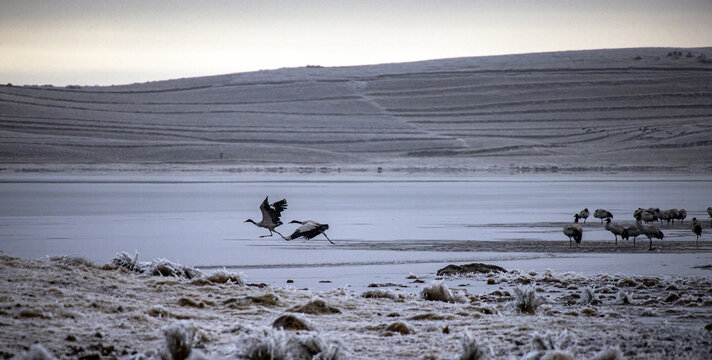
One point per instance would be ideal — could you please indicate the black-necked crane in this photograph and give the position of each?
(577, 217)
(270, 216)
(650, 232)
(573, 231)
(709, 211)
(668, 215)
(309, 230)
(630, 231)
(602, 214)
(681, 215)
(697, 229)
(583, 214)
(614, 228)
(648, 215)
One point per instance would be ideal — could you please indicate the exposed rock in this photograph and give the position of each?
(316, 306)
(400, 328)
(479, 268)
(290, 322)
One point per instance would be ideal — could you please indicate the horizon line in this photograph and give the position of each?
(348, 66)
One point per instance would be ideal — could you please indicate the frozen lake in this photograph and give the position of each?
(198, 221)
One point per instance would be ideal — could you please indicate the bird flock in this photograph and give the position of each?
(644, 219)
(309, 229)
(271, 218)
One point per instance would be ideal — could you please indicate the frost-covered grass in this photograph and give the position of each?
(165, 267)
(36, 352)
(109, 311)
(439, 291)
(180, 337)
(526, 300)
(273, 344)
(472, 349)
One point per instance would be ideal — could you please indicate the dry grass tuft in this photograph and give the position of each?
(438, 291)
(526, 300)
(379, 294)
(315, 307)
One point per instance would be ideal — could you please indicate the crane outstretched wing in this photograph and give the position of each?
(272, 212)
(279, 206)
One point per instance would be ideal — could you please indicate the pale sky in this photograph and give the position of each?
(89, 42)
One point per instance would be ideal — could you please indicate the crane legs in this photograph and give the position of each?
(327, 238)
(270, 234)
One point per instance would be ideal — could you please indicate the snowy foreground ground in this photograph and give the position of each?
(75, 308)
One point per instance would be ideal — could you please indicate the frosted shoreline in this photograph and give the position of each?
(75, 309)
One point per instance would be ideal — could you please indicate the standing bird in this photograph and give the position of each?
(573, 231)
(584, 214)
(602, 214)
(309, 230)
(647, 215)
(709, 211)
(697, 229)
(614, 228)
(577, 217)
(630, 231)
(650, 232)
(668, 215)
(681, 215)
(270, 216)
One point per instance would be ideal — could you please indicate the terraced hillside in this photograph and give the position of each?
(628, 109)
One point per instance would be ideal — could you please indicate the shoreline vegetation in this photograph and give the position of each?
(347, 170)
(129, 309)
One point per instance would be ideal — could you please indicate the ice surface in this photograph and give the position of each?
(384, 228)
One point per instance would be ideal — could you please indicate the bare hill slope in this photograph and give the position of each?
(627, 109)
